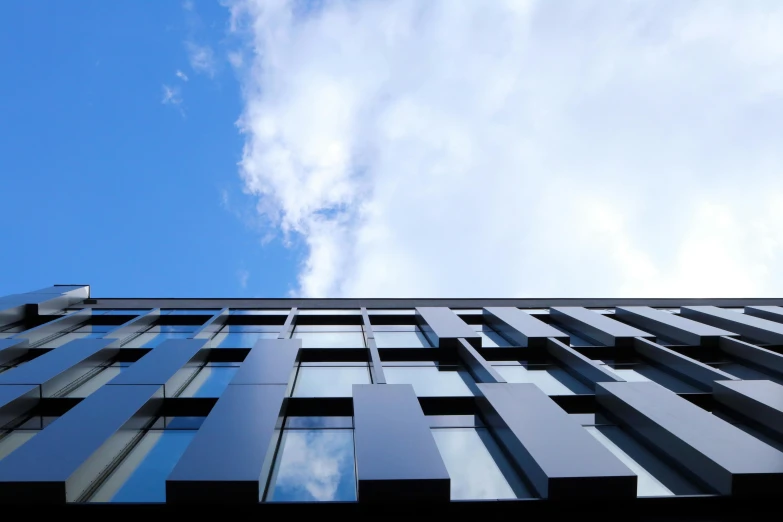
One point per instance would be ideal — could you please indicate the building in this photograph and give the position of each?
(631, 407)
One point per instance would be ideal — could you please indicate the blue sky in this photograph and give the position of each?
(447, 148)
(104, 184)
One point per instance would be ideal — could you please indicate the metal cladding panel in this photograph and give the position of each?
(671, 326)
(168, 365)
(58, 464)
(772, 313)
(12, 309)
(397, 459)
(134, 326)
(585, 368)
(597, 327)
(760, 401)
(690, 369)
(58, 325)
(520, 327)
(526, 422)
(747, 325)
(718, 453)
(478, 367)
(752, 354)
(213, 325)
(271, 361)
(229, 459)
(11, 349)
(58, 367)
(443, 327)
(16, 401)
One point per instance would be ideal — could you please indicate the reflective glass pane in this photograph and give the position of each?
(655, 478)
(551, 379)
(648, 372)
(190, 311)
(126, 311)
(245, 328)
(429, 381)
(332, 381)
(318, 422)
(414, 339)
(210, 381)
(314, 465)
(491, 339)
(174, 328)
(13, 439)
(96, 381)
(258, 312)
(331, 339)
(141, 477)
(476, 466)
(153, 339)
(240, 339)
(328, 328)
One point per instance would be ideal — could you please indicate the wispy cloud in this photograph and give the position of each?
(187, 5)
(171, 95)
(243, 276)
(201, 57)
(181, 75)
(519, 148)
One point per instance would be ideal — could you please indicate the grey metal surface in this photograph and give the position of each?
(478, 367)
(526, 422)
(270, 361)
(397, 459)
(753, 354)
(721, 455)
(772, 313)
(671, 326)
(11, 349)
(16, 401)
(583, 368)
(747, 325)
(521, 328)
(689, 369)
(760, 401)
(595, 326)
(59, 464)
(229, 459)
(443, 327)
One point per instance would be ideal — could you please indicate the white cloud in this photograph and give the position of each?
(202, 58)
(171, 95)
(244, 276)
(181, 75)
(519, 148)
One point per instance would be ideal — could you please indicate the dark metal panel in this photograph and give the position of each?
(11, 349)
(747, 325)
(760, 401)
(520, 327)
(229, 459)
(271, 361)
(443, 327)
(718, 453)
(66, 322)
(478, 367)
(368, 333)
(387, 303)
(582, 367)
(16, 401)
(12, 309)
(376, 365)
(597, 327)
(397, 459)
(168, 365)
(59, 464)
(213, 326)
(752, 354)
(685, 367)
(772, 313)
(527, 423)
(134, 326)
(671, 326)
(57, 368)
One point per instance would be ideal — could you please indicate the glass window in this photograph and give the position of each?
(96, 328)
(489, 337)
(655, 478)
(174, 328)
(331, 381)
(414, 339)
(141, 476)
(648, 372)
(248, 328)
(310, 423)
(328, 328)
(210, 381)
(476, 465)
(395, 311)
(552, 380)
(331, 339)
(240, 339)
(153, 339)
(431, 381)
(314, 465)
(329, 312)
(126, 311)
(190, 311)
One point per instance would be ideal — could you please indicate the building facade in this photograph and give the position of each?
(634, 408)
